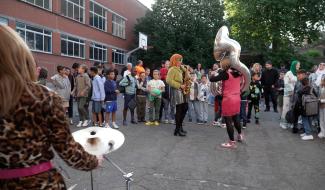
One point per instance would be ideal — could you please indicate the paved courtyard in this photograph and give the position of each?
(270, 158)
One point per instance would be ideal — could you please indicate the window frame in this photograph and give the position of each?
(117, 27)
(92, 12)
(4, 21)
(34, 4)
(103, 48)
(119, 53)
(66, 14)
(25, 30)
(66, 37)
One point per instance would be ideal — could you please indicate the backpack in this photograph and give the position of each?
(122, 88)
(310, 104)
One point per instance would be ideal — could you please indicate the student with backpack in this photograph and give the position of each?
(308, 104)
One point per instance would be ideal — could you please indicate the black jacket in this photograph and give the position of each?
(269, 77)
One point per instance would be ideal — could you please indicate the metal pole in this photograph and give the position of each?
(127, 55)
(127, 176)
(92, 180)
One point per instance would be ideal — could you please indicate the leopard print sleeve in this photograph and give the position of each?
(62, 141)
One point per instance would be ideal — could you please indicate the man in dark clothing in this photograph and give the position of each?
(270, 77)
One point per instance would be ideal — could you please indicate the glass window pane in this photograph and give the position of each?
(21, 33)
(98, 9)
(70, 10)
(91, 19)
(39, 3)
(39, 42)
(70, 48)
(100, 23)
(100, 55)
(96, 53)
(91, 51)
(47, 44)
(82, 51)
(76, 50)
(30, 40)
(64, 7)
(47, 4)
(91, 6)
(30, 1)
(96, 21)
(76, 13)
(76, 1)
(81, 15)
(64, 47)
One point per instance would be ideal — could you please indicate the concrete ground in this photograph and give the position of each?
(270, 158)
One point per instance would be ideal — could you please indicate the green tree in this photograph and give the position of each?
(187, 27)
(282, 24)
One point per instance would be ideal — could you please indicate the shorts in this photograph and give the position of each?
(97, 107)
(111, 106)
(127, 99)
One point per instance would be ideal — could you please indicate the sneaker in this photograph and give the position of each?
(189, 120)
(240, 137)
(125, 123)
(165, 121)
(200, 122)
(215, 123)
(267, 110)
(321, 135)
(156, 123)
(223, 125)
(85, 123)
(283, 126)
(307, 137)
(172, 122)
(244, 127)
(95, 124)
(71, 121)
(79, 124)
(303, 134)
(107, 125)
(115, 126)
(257, 122)
(230, 144)
(148, 123)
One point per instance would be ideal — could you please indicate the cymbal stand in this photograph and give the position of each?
(127, 176)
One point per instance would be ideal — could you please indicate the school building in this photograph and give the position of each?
(68, 31)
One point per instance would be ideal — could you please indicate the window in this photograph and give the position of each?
(36, 38)
(73, 47)
(98, 53)
(74, 9)
(98, 17)
(46, 4)
(3, 21)
(118, 26)
(118, 56)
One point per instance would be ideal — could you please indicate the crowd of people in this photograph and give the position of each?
(150, 96)
(33, 117)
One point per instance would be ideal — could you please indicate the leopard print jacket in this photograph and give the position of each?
(30, 133)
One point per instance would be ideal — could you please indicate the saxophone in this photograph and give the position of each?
(186, 79)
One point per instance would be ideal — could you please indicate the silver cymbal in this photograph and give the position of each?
(98, 140)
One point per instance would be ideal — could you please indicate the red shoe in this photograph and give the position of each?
(240, 137)
(230, 144)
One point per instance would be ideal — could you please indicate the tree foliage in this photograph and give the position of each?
(282, 24)
(187, 27)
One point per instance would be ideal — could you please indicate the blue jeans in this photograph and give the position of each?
(306, 122)
(193, 109)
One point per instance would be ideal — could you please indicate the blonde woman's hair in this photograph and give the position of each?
(17, 68)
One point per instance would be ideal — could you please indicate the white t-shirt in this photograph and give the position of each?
(158, 84)
(126, 73)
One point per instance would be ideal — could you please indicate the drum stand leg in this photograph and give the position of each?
(127, 176)
(91, 180)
